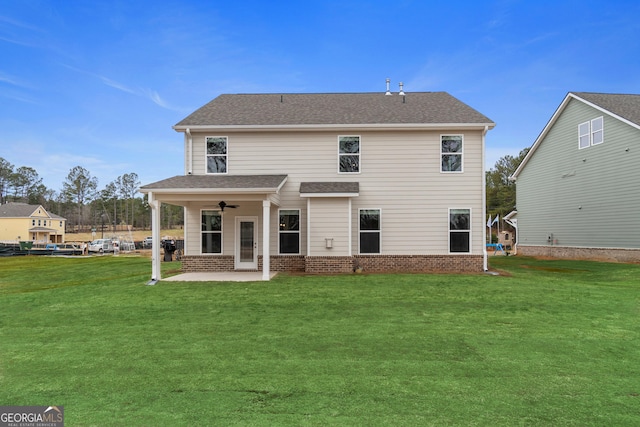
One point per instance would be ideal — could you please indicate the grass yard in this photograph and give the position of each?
(547, 343)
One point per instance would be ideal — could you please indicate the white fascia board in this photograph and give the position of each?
(212, 191)
(375, 126)
(312, 195)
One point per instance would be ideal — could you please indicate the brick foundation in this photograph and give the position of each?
(328, 264)
(198, 263)
(420, 263)
(346, 264)
(593, 254)
(290, 263)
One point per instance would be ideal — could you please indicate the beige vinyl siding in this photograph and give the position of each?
(329, 219)
(399, 174)
(587, 197)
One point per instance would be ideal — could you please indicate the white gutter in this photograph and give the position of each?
(365, 126)
(484, 203)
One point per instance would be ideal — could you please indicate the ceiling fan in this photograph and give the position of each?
(223, 205)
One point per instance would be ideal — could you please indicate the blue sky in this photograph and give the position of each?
(100, 83)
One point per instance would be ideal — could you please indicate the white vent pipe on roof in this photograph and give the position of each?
(388, 92)
(401, 89)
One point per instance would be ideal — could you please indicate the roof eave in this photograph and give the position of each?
(315, 127)
(264, 190)
(329, 195)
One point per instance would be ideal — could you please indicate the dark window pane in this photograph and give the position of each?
(216, 164)
(370, 219)
(451, 144)
(349, 163)
(216, 145)
(289, 243)
(289, 220)
(349, 144)
(211, 221)
(459, 241)
(451, 163)
(459, 219)
(211, 243)
(369, 243)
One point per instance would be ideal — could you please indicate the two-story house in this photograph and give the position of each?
(24, 222)
(578, 191)
(330, 183)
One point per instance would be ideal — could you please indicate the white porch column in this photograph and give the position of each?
(155, 234)
(266, 227)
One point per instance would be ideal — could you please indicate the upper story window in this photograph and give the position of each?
(349, 154)
(591, 133)
(451, 153)
(216, 154)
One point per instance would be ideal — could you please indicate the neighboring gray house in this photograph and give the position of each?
(578, 189)
(326, 183)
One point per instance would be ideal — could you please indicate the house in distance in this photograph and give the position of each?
(578, 188)
(330, 183)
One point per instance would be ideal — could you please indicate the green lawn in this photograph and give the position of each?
(546, 343)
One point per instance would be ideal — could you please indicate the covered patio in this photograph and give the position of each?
(244, 201)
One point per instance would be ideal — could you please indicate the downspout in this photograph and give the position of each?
(514, 224)
(189, 151)
(308, 226)
(484, 203)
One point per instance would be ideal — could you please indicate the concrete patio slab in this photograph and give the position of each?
(230, 276)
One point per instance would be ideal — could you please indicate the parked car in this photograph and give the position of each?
(101, 246)
(147, 242)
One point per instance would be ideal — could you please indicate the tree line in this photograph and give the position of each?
(501, 191)
(81, 202)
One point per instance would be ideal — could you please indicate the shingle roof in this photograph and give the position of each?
(329, 187)
(19, 210)
(334, 109)
(623, 105)
(217, 182)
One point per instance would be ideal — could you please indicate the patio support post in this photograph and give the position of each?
(266, 225)
(155, 235)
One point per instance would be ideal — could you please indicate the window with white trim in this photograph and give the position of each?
(349, 154)
(289, 231)
(451, 153)
(211, 232)
(370, 231)
(591, 132)
(460, 230)
(216, 154)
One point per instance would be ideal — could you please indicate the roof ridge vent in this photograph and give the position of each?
(401, 89)
(388, 92)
